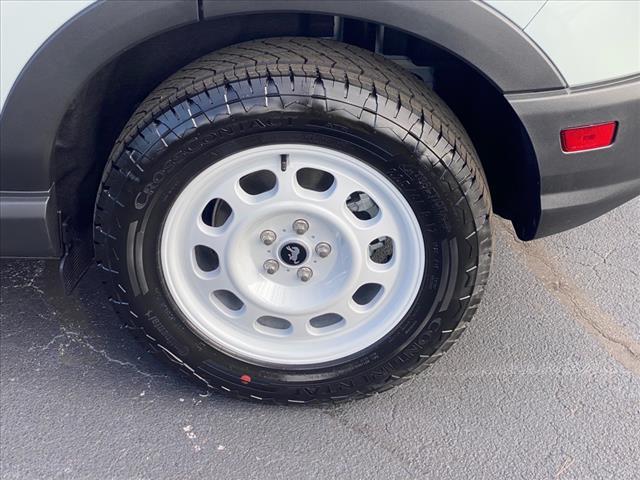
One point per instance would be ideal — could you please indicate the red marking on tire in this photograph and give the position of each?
(245, 378)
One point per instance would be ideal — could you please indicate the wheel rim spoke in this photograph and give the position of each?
(370, 230)
(209, 237)
(337, 195)
(230, 192)
(378, 274)
(208, 282)
(286, 189)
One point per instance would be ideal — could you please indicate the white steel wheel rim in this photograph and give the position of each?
(235, 305)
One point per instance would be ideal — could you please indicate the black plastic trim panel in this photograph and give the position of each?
(471, 30)
(49, 83)
(30, 226)
(578, 187)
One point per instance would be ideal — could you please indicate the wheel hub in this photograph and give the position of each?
(290, 290)
(293, 253)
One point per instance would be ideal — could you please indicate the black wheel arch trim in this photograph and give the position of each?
(75, 52)
(95, 36)
(471, 30)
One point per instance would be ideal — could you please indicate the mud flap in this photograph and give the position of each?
(77, 257)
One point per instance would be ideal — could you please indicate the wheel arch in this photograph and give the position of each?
(103, 50)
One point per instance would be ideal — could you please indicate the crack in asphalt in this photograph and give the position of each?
(603, 260)
(396, 453)
(600, 325)
(31, 281)
(82, 340)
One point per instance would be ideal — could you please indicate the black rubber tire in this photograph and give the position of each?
(304, 90)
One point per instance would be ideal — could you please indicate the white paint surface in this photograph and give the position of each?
(589, 41)
(519, 12)
(24, 26)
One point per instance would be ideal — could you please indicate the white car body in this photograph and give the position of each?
(589, 41)
(540, 67)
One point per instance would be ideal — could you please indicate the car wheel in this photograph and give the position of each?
(294, 220)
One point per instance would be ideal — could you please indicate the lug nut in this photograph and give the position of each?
(305, 274)
(268, 237)
(323, 249)
(300, 226)
(271, 266)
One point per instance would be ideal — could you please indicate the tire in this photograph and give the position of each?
(329, 97)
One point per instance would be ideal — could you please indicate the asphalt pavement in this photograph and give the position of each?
(545, 383)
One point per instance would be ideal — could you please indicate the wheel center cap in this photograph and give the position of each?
(293, 253)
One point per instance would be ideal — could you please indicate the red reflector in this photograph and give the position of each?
(588, 137)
